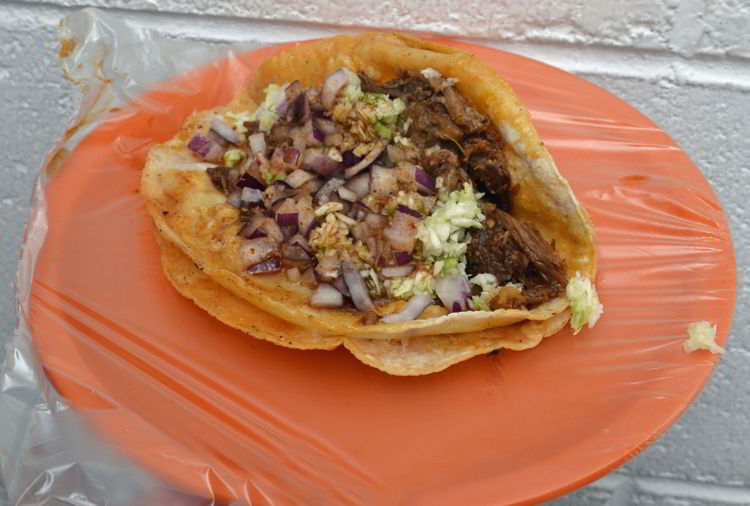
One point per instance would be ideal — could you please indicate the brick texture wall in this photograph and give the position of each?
(684, 63)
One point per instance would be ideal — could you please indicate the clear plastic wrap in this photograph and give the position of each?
(117, 390)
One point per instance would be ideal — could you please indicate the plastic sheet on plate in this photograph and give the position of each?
(116, 390)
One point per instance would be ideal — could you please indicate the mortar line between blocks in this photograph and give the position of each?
(668, 67)
(669, 487)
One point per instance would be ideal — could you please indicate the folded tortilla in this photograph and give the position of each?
(401, 357)
(191, 214)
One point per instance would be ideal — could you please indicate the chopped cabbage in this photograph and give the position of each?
(266, 113)
(584, 302)
(407, 287)
(232, 156)
(382, 130)
(239, 119)
(488, 283)
(443, 233)
(702, 336)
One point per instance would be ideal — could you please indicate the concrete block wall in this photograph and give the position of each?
(684, 63)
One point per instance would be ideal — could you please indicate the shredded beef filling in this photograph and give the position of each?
(460, 144)
(447, 139)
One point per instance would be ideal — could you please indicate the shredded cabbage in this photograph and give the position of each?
(384, 113)
(232, 156)
(702, 336)
(443, 233)
(407, 287)
(488, 283)
(266, 113)
(584, 302)
(239, 119)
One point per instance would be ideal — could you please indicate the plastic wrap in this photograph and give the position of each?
(116, 390)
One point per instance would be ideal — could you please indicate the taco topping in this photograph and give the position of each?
(373, 193)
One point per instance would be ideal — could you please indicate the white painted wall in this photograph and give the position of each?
(685, 64)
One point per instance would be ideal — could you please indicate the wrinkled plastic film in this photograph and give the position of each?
(117, 390)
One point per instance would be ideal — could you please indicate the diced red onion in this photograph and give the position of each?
(402, 231)
(326, 296)
(360, 184)
(258, 233)
(273, 230)
(331, 87)
(397, 272)
(346, 194)
(314, 159)
(328, 268)
(357, 287)
(324, 125)
(294, 252)
(291, 156)
(235, 199)
(293, 90)
(340, 285)
(257, 142)
(413, 309)
(403, 209)
(286, 219)
(313, 98)
(376, 220)
(348, 158)
(299, 139)
(298, 178)
(312, 186)
(308, 277)
(251, 196)
(360, 231)
(293, 274)
(365, 162)
(225, 131)
(300, 110)
(205, 148)
(282, 107)
(299, 240)
(257, 250)
(425, 182)
(272, 264)
(248, 181)
(323, 196)
(217, 138)
(453, 290)
(277, 191)
(249, 228)
(402, 257)
(383, 181)
(312, 135)
(305, 215)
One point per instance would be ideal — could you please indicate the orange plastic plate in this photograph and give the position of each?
(228, 416)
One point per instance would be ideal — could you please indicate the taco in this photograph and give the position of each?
(385, 187)
(400, 357)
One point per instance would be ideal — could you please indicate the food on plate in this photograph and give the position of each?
(384, 187)
(400, 357)
(702, 336)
